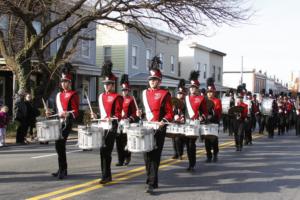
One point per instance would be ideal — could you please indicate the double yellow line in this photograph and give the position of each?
(117, 178)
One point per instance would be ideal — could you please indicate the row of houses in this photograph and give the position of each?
(255, 81)
(130, 53)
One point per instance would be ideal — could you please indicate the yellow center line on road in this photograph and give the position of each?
(117, 178)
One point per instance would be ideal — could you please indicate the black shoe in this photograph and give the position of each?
(149, 189)
(175, 157)
(119, 164)
(180, 158)
(208, 160)
(190, 169)
(215, 159)
(55, 174)
(105, 180)
(62, 174)
(127, 161)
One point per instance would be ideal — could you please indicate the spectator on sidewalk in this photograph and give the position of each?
(33, 112)
(4, 119)
(21, 115)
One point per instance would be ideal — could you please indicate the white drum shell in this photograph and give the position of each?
(106, 125)
(123, 126)
(210, 129)
(140, 139)
(266, 106)
(48, 130)
(225, 104)
(90, 137)
(153, 125)
(191, 131)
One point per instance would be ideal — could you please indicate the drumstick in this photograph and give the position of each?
(135, 103)
(45, 105)
(89, 103)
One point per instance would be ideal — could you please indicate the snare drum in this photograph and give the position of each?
(90, 137)
(191, 131)
(266, 106)
(123, 126)
(153, 125)
(140, 139)
(225, 104)
(210, 129)
(48, 130)
(174, 130)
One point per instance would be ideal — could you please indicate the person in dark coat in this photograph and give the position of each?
(21, 116)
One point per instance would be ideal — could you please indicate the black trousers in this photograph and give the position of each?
(178, 145)
(105, 152)
(281, 124)
(121, 142)
(225, 119)
(270, 125)
(21, 132)
(248, 131)
(297, 125)
(239, 132)
(152, 158)
(60, 146)
(211, 143)
(231, 125)
(191, 150)
(253, 122)
(261, 123)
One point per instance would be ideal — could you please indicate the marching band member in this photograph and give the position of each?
(197, 110)
(128, 113)
(298, 115)
(67, 104)
(289, 112)
(214, 116)
(248, 120)
(254, 111)
(158, 108)
(260, 117)
(239, 120)
(270, 119)
(179, 117)
(110, 105)
(281, 115)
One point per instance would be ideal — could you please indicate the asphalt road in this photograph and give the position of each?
(269, 169)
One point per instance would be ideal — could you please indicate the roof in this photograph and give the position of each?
(199, 46)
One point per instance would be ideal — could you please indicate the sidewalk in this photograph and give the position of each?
(12, 140)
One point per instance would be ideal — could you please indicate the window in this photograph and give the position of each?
(85, 48)
(205, 71)
(219, 74)
(107, 54)
(172, 64)
(37, 26)
(148, 58)
(198, 66)
(179, 69)
(214, 72)
(161, 57)
(134, 56)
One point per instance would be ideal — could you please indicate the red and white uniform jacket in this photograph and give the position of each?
(255, 107)
(68, 101)
(196, 106)
(157, 103)
(217, 109)
(110, 105)
(244, 113)
(129, 108)
(289, 107)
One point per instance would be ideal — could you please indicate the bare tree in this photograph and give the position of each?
(181, 16)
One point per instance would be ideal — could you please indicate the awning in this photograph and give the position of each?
(89, 70)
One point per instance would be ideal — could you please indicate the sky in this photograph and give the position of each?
(269, 41)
